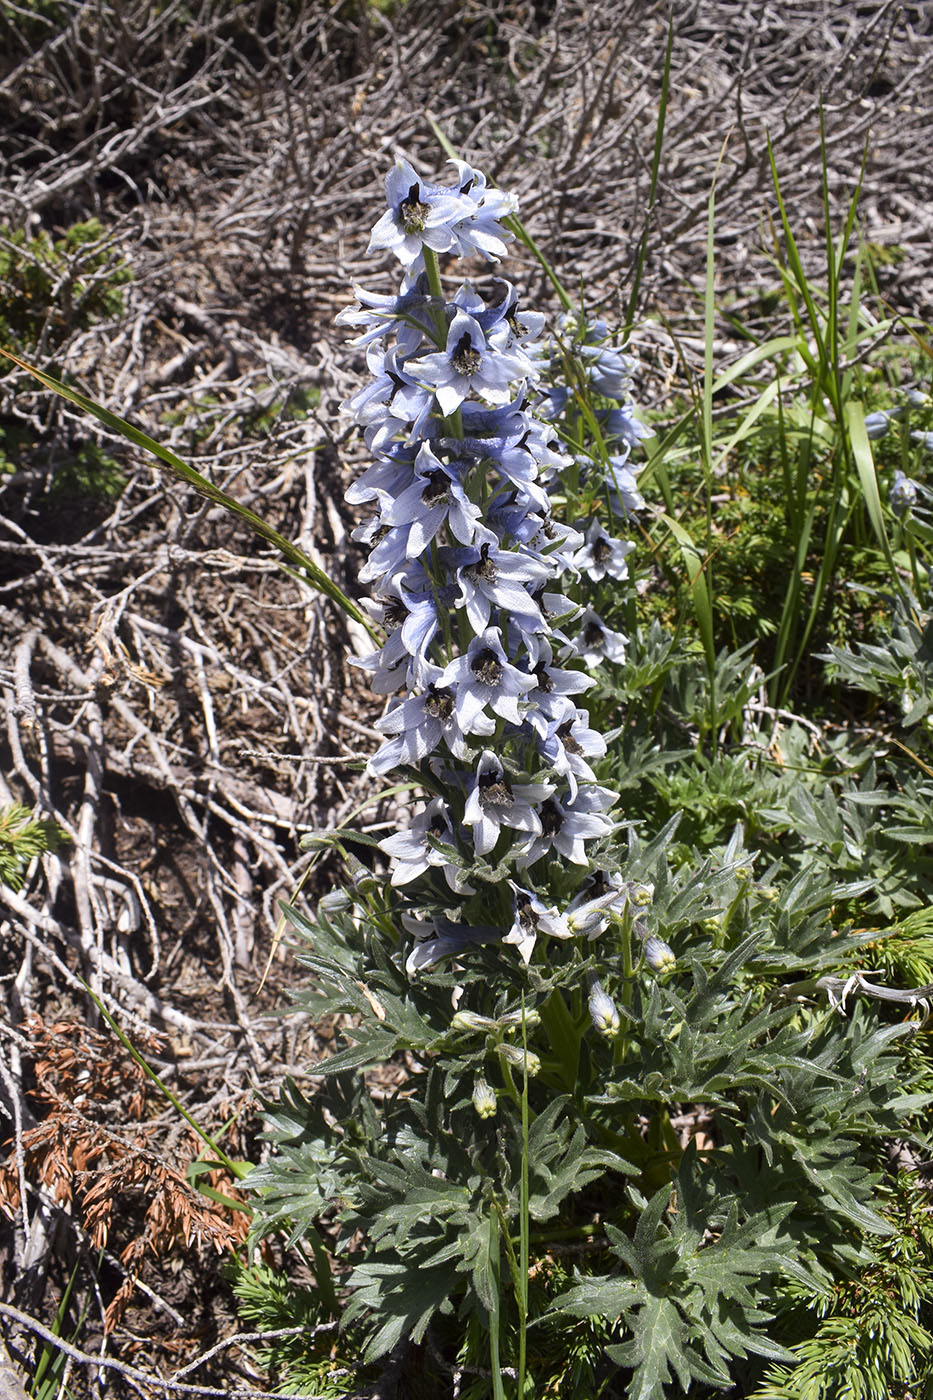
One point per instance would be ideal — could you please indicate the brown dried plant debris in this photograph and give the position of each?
(113, 1182)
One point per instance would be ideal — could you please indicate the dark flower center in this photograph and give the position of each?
(486, 667)
(593, 634)
(526, 914)
(552, 818)
(494, 790)
(566, 737)
(601, 549)
(436, 488)
(393, 615)
(486, 568)
(465, 359)
(411, 212)
(439, 704)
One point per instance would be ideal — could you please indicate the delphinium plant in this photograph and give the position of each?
(466, 561)
(604, 1127)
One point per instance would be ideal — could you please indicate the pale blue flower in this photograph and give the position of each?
(569, 742)
(501, 321)
(621, 424)
(417, 725)
(388, 550)
(444, 938)
(566, 823)
(554, 685)
(468, 365)
(590, 911)
(407, 316)
(413, 853)
(485, 677)
(435, 497)
(490, 578)
(384, 479)
(595, 642)
(622, 491)
(533, 916)
(419, 215)
(494, 802)
(608, 370)
(392, 394)
(602, 555)
(481, 232)
(878, 424)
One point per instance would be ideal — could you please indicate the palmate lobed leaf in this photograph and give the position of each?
(404, 1295)
(684, 1290)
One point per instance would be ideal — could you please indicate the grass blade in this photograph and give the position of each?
(868, 477)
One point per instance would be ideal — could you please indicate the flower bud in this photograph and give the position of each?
(876, 424)
(603, 1011)
(659, 955)
(521, 1059)
(591, 916)
(334, 902)
(484, 1098)
(361, 877)
(471, 1021)
(512, 1019)
(903, 493)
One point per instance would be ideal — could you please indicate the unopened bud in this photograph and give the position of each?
(591, 916)
(361, 877)
(484, 1098)
(903, 494)
(512, 1019)
(876, 424)
(603, 1011)
(471, 1021)
(334, 902)
(521, 1059)
(659, 955)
